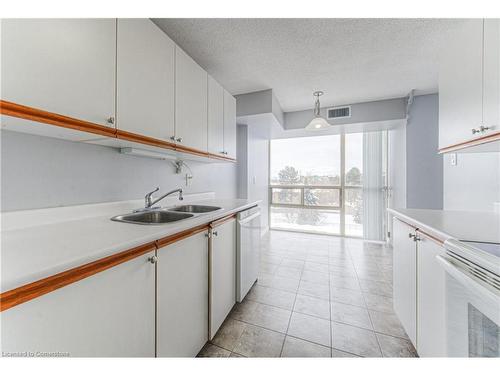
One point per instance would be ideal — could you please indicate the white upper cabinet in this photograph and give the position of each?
(491, 103)
(145, 79)
(66, 66)
(190, 102)
(461, 84)
(215, 117)
(229, 125)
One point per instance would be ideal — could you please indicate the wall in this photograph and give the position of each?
(424, 183)
(474, 183)
(253, 168)
(42, 172)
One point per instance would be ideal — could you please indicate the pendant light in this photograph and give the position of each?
(318, 122)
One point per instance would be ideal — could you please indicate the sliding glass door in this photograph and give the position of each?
(317, 184)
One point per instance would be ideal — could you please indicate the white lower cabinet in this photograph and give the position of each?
(182, 297)
(431, 334)
(405, 277)
(222, 273)
(109, 314)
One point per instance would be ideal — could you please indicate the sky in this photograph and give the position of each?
(318, 155)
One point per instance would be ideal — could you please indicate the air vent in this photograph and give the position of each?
(339, 112)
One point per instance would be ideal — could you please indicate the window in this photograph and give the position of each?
(316, 184)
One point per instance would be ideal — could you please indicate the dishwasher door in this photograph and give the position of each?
(248, 254)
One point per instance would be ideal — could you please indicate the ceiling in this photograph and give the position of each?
(351, 60)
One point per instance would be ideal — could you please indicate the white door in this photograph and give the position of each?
(491, 97)
(215, 117)
(229, 125)
(190, 102)
(145, 79)
(182, 297)
(431, 333)
(110, 314)
(461, 83)
(222, 274)
(66, 66)
(405, 277)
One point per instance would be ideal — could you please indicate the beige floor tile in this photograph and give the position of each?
(269, 317)
(355, 340)
(320, 259)
(396, 347)
(291, 273)
(316, 267)
(316, 277)
(212, 351)
(345, 282)
(293, 263)
(259, 342)
(314, 289)
(312, 306)
(271, 259)
(268, 267)
(348, 296)
(297, 348)
(387, 323)
(284, 283)
(349, 314)
(340, 354)
(376, 287)
(244, 310)
(271, 296)
(379, 303)
(228, 334)
(236, 355)
(310, 328)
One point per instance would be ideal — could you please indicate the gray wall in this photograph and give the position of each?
(424, 183)
(474, 183)
(40, 172)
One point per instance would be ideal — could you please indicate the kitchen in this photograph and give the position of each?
(181, 187)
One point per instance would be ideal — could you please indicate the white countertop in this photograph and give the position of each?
(459, 225)
(41, 243)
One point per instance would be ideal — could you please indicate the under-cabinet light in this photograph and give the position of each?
(146, 153)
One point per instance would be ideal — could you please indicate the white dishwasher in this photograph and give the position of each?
(248, 254)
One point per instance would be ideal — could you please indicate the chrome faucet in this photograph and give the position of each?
(149, 202)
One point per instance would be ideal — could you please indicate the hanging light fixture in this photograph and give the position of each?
(318, 122)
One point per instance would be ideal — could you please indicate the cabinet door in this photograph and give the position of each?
(405, 277)
(182, 297)
(110, 314)
(145, 79)
(222, 274)
(66, 66)
(229, 125)
(491, 98)
(431, 335)
(215, 117)
(190, 102)
(461, 84)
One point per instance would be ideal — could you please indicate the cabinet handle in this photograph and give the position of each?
(414, 236)
(111, 120)
(215, 233)
(474, 131)
(172, 138)
(179, 139)
(484, 128)
(153, 259)
(411, 235)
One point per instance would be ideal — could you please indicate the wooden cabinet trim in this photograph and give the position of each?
(38, 288)
(38, 115)
(41, 116)
(165, 241)
(222, 220)
(472, 142)
(431, 237)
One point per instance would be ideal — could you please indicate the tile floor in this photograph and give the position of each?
(317, 296)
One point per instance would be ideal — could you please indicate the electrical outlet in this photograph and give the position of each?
(453, 159)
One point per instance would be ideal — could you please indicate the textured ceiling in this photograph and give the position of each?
(352, 60)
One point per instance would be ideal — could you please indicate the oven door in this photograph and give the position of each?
(472, 309)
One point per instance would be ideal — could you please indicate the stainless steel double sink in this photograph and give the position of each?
(164, 215)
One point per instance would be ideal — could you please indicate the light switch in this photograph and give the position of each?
(453, 159)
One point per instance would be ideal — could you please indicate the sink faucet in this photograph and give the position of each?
(149, 202)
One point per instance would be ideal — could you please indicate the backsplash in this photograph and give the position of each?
(474, 183)
(40, 172)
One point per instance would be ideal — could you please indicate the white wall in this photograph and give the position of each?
(253, 168)
(474, 183)
(42, 172)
